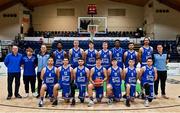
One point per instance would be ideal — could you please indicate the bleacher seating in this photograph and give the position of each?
(48, 34)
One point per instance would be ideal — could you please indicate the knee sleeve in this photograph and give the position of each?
(147, 88)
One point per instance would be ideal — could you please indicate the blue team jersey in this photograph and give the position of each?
(148, 75)
(65, 76)
(105, 56)
(115, 76)
(98, 73)
(91, 58)
(147, 53)
(76, 54)
(81, 76)
(50, 77)
(58, 58)
(131, 76)
(131, 55)
(29, 65)
(118, 54)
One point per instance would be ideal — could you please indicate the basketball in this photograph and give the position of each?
(98, 82)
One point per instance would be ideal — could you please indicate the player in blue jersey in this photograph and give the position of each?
(145, 52)
(75, 53)
(97, 72)
(90, 56)
(81, 76)
(130, 76)
(114, 82)
(59, 55)
(64, 83)
(106, 55)
(117, 52)
(49, 76)
(148, 76)
(130, 54)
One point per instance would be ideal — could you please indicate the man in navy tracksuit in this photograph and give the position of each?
(13, 63)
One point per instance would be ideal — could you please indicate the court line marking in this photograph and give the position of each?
(89, 109)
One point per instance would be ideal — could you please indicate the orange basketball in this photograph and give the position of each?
(98, 82)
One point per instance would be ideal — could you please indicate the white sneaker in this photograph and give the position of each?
(26, 95)
(34, 94)
(90, 103)
(146, 103)
(41, 103)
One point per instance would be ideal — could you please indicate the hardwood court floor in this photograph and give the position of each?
(29, 104)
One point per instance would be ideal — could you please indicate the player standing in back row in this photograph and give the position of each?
(105, 55)
(75, 53)
(117, 53)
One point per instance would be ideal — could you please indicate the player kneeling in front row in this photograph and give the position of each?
(81, 75)
(49, 75)
(114, 82)
(148, 76)
(65, 78)
(130, 76)
(98, 76)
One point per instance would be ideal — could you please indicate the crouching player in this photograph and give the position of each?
(81, 75)
(148, 76)
(65, 77)
(114, 82)
(49, 75)
(97, 77)
(130, 76)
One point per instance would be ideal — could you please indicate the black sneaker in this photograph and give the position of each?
(18, 96)
(127, 103)
(82, 100)
(73, 102)
(55, 103)
(8, 97)
(38, 96)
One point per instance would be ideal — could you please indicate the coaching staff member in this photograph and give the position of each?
(13, 64)
(160, 61)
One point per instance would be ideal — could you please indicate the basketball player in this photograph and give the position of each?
(145, 52)
(114, 82)
(65, 77)
(130, 54)
(90, 56)
(105, 55)
(49, 76)
(97, 72)
(58, 55)
(148, 75)
(75, 53)
(81, 75)
(117, 52)
(130, 76)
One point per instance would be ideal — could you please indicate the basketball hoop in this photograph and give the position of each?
(92, 34)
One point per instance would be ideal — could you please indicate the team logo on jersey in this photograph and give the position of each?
(65, 73)
(91, 55)
(99, 73)
(76, 55)
(131, 56)
(115, 74)
(118, 54)
(150, 72)
(49, 74)
(80, 74)
(132, 74)
(59, 56)
(105, 55)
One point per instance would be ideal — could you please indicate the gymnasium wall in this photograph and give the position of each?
(161, 25)
(9, 25)
(45, 17)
